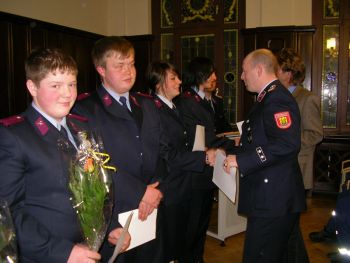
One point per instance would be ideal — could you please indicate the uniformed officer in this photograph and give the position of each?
(35, 155)
(271, 191)
(175, 180)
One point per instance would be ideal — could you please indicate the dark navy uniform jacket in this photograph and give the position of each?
(271, 183)
(34, 165)
(176, 182)
(195, 111)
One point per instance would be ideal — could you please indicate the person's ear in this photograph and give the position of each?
(32, 88)
(101, 70)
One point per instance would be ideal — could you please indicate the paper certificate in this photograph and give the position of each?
(199, 140)
(226, 182)
(140, 231)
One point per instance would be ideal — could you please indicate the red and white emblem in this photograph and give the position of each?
(283, 119)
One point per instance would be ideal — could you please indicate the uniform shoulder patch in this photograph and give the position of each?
(12, 120)
(77, 117)
(83, 96)
(283, 119)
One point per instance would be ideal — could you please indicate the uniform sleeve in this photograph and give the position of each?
(312, 132)
(281, 140)
(34, 240)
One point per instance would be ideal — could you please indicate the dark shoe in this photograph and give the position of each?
(334, 257)
(322, 236)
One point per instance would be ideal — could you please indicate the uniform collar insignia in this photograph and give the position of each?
(158, 103)
(261, 96)
(41, 125)
(107, 100)
(272, 88)
(134, 101)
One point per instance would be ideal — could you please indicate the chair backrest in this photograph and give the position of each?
(345, 170)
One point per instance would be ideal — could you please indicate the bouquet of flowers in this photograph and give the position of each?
(91, 188)
(8, 245)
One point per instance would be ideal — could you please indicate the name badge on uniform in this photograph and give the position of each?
(283, 120)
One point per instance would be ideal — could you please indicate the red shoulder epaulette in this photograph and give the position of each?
(84, 95)
(77, 117)
(144, 95)
(187, 94)
(9, 121)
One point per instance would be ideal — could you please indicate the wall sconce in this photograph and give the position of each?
(331, 43)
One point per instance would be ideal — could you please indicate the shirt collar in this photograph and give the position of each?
(166, 101)
(51, 119)
(200, 93)
(292, 88)
(116, 95)
(266, 86)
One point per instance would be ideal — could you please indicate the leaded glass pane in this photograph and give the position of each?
(330, 75)
(331, 8)
(167, 47)
(230, 76)
(348, 98)
(196, 45)
(167, 13)
(198, 11)
(230, 11)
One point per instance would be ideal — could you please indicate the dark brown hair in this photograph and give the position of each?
(42, 61)
(289, 60)
(108, 46)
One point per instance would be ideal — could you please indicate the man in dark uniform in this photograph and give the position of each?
(271, 190)
(194, 111)
(130, 126)
(35, 155)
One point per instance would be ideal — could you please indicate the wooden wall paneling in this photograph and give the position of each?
(6, 76)
(20, 46)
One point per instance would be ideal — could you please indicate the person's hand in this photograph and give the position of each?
(114, 235)
(237, 140)
(81, 253)
(210, 156)
(150, 201)
(230, 162)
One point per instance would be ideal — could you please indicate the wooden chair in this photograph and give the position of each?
(345, 169)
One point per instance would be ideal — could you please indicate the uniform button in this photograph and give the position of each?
(266, 180)
(241, 175)
(185, 132)
(186, 144)
(141, 154)
(240, 144)
(137, 136)
(247, 121)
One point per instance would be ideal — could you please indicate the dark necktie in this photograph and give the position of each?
(64, 132)
(123, 102)
(175, 111)
(210, 103)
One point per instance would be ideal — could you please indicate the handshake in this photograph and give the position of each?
(229, 162)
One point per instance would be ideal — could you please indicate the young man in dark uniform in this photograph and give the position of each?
(36, 148)
(131, 129)
(271, 190)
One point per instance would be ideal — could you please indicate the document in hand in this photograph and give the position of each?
(226, 182)
(199, 140)
(140, 231)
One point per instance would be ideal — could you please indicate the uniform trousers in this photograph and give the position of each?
(198, 221)
(266, 238)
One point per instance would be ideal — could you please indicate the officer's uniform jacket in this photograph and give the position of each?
(195, 111)
(176, 181)
(221, 124)
(311, 131)
(270, 182)
(34, 165)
